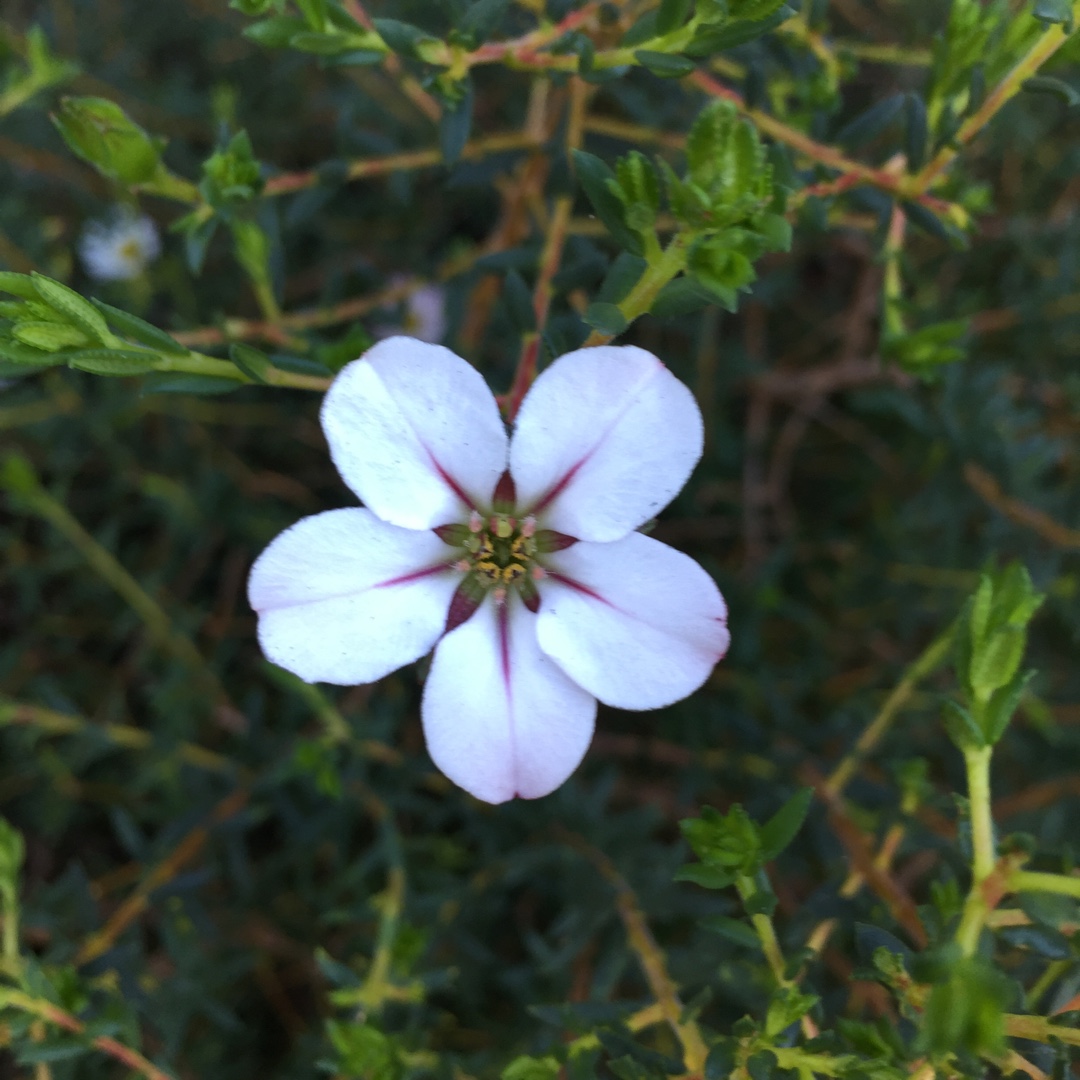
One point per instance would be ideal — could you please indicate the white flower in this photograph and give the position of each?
(119, 250)
(425, 314)
(515, 558)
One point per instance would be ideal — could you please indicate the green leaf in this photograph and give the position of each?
(402, 37)
(961, 726)
(606, 318)
(868, 125)
(482, 20)
(782, 827)
(18, 285)
(714, 39)
(596, 178)
(73, 307)
(1047, 84)
(112, 361)
(49, 336)
(665, 65)
(181, 382)
(140, 330)
(916, 131)
(733, 929)
(519, 303)
(708, 877)
(456, 123)
(253, 363)
(1054, 11)
(275, 32)
(15, 352)
(672, 14)
(683, 296)
(531, 1068)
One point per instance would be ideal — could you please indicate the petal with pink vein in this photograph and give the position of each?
(345, 598)
(603, 442)
(501, 719)
(415, 432)
(635, 622)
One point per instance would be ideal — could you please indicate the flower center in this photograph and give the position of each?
(503, 550)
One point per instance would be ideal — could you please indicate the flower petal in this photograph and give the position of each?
(604, 440)
(500, 718)
(635, 622)
(344, 598)
(415, 432)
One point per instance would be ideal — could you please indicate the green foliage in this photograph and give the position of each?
(990, 643)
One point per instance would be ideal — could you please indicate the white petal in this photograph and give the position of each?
(344, 598)
(415, 432)
(641, 625)
(500, 718)
(604, 440)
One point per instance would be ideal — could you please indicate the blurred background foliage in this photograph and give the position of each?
(239, 876)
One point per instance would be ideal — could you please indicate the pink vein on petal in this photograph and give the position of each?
(412, 575)
(556, 576)
(448, 480)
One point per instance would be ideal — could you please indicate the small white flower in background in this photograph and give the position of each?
(425, 314)
(515, 558)
(120, 249)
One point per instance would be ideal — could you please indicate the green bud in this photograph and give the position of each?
(231, 174)
(101, 133)
(252, 249)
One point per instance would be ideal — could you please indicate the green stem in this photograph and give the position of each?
(766, 932)
(977, 761)
(194, 363)
(1031, 881)
(932, 657)
(9, 912)
(976, 907)
(662, 269)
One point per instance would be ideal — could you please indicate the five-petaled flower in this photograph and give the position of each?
(515, 558)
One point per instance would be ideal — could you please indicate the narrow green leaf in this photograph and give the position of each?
(665, 65)
(27, 356)
(519, 303)
(733, 929)
(606, 318)
(594, 175)
(456, 123)
(869, 124)
(180, 382)
(140, 330)
(112, 361)
(73, 307)
(18, 285)
(1047, 84)
(672, 14)
(253, 363)
(781, 828)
